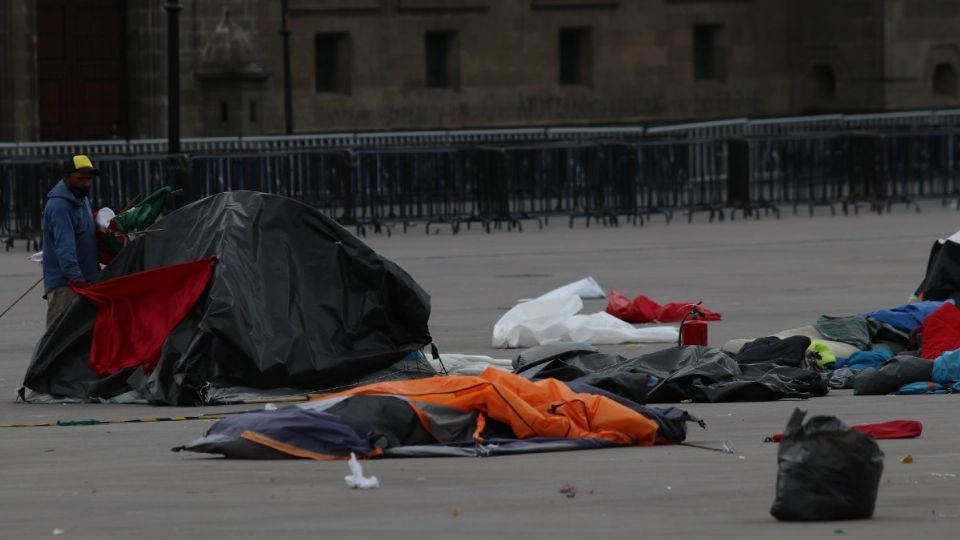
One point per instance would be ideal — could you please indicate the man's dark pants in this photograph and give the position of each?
(58, 300)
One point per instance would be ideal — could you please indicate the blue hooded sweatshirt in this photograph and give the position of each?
(69, 239)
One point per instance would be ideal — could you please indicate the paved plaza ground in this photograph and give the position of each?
(766, 275)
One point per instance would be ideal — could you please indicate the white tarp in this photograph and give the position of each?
(468, 364)
(545, 320)
(585, 288)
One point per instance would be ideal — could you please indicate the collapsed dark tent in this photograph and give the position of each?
(672, 375)
(294, 301)
(495, 413)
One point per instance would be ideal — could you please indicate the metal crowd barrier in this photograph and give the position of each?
(23, 189)
(319, 179)
(600, 181)
(921, 166)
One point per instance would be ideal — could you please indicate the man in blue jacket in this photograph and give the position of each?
(69, 236)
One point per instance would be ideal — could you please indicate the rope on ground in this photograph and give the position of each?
(98, 422)
(17, 301)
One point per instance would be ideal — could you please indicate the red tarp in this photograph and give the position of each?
(644, 310)
(138, 311)
(941, 332)
(894, 429)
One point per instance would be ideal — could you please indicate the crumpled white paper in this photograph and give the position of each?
(545, 320)
(356, 479)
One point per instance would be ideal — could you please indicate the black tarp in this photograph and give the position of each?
(702, 374)
(790, 351)
(295, 301)
(942, 279)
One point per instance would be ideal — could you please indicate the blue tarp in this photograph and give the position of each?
(861, 360)
(946, 368)
(907, 317)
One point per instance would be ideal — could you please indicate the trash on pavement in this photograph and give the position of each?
(356, 479)
(826, 471)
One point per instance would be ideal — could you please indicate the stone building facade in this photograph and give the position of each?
(96, 68)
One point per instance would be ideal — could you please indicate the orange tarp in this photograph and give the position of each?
(546, 408)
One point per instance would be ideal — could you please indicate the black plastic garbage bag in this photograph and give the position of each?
(825, 471)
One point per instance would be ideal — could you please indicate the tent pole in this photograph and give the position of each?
(26, 292)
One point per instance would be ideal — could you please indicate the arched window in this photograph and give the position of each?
(945, 80)
(823, 83)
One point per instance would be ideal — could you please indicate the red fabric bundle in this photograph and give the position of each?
(644, 310)
(941, 332)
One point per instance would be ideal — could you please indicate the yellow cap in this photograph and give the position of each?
(81, 163)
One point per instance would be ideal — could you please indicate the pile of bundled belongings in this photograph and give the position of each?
(495, 413)
(895, 350)
(240, 293)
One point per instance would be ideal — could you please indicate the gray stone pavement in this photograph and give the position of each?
(122, 481)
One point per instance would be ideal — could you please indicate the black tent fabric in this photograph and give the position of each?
(942, 280)
(701, 374)
(790, 351)
(295, 301)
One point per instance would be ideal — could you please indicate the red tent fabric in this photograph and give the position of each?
(894, 429)
(640, 310)
(644, 310)
(137, 312)
(941, 332)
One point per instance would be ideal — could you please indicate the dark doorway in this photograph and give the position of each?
(81, 69)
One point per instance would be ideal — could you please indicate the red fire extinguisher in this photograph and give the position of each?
(693, 330)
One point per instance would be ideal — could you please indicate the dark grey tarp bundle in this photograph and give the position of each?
(886, 379)
(825, 471)
(702, 374)
(295, 301)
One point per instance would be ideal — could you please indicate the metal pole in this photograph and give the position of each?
(287, 85)
(173, 8)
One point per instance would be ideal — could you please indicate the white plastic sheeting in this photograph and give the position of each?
(554, 318)
(467, 364)
(584, 288)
